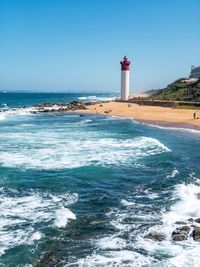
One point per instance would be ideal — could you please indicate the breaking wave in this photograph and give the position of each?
(181, 253)
(128, 245)
(13, 112)
(95, 98)
(20, 214)
(57, 154)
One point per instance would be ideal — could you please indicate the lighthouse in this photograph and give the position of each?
(125, 68)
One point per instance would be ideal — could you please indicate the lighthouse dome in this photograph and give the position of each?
(125, 64)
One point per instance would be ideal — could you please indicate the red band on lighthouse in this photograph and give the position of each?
(125, 64)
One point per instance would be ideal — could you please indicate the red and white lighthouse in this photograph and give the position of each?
(125, 69)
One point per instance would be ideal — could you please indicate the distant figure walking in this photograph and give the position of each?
(129, 105)
(194, 115)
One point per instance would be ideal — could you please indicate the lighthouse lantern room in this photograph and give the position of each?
(125, 69)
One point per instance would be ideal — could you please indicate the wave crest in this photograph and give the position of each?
(77, 153)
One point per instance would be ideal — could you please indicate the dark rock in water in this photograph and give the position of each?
(197, 220)
(181, 233)
(185, 229)
(48, 260)
(61, 107)
(190, 219)
(180, 222)
(196, 182)
(155, 236)
(177, 236)
(196, 233)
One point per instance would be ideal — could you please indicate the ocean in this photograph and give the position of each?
(86, 190)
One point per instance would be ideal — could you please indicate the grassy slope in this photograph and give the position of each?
(179, 91)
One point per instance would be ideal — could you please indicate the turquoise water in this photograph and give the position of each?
(85, 190)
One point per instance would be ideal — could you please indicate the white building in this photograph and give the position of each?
(195, 72)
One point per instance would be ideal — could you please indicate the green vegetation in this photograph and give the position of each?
(187, 107)
(178, 91)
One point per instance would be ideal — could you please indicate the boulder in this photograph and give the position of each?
(181, 233)
(155, 236)
(180, 222)
(197, 220)
(48, 260)
(196, 233)
(196, 182)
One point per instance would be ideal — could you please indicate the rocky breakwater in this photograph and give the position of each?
(62, 107)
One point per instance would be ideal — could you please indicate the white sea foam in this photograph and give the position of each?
(52, 151)
(2, 116)
(14, 112)
(96, 98)
(125, 203)
(63, 215)
(174, 254)
(185, 253)
(36, 236)
(112, 242)
(174, 173)
(187, 257)
(20, 215)
(180, 129)
(123, 258)
(188, 204)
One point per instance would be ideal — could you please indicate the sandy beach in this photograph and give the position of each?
(162, 116)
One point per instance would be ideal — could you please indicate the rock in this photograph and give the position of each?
(190, 219)
(196, 182)
(185, 229)
(180, 222)
(62, 107)
(196, 233)
(181, 233)
(48, 260)
(155, 236)
(197, 220)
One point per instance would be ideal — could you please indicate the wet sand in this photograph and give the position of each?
(161, 116)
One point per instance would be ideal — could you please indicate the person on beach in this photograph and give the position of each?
(194, 115)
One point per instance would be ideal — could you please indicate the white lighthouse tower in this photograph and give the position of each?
(125, 69)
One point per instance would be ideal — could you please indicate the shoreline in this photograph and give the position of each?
(165, 117)
(166, 124)
(161, 124)
(151, 115)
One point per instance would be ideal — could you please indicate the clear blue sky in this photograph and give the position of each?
(77, 44)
